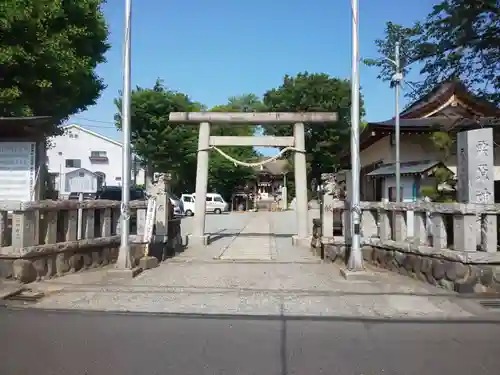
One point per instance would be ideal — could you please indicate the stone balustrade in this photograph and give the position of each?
(452, 245)
(45, 239)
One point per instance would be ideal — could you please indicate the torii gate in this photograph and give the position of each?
(295, 143)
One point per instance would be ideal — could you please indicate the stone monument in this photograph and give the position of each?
(476, 184)
(158, 189)
(332, 193)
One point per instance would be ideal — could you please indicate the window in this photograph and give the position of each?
(73, 135)
(209, 199)
(98, 154)
(73, 163)
(218, 199)
(187, 199)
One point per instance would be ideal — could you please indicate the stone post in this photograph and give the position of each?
(301, 208)
(476, 185)
(330, 184)
(157, 248)
(198, 236)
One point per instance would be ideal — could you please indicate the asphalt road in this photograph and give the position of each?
(53, 343)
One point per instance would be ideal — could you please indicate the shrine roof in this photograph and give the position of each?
(275, 167)
(448, 107)
(407, 168)
(442, 94)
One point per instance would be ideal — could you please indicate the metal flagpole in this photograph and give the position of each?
(123, 260)
(355, 259)
(397, 81)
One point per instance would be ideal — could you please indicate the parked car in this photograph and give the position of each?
(114, 193)
(177, 204)
(188, 202)
(214, 203)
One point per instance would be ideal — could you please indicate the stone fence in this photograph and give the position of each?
(45, 239)
(452, 245)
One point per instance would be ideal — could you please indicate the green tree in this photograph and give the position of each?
(459, 39)
(48, 52)
(163, 146)
(224, 176)
(315, 93)
(408, 39)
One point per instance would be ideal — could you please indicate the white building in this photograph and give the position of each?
(81, 160)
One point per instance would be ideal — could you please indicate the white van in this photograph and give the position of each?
(188, 202)
(215, 203)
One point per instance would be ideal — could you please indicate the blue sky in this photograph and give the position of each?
(213, 49)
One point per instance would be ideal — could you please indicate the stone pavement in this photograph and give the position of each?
(248, 270)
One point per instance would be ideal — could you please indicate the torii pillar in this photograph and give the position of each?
(297, 141)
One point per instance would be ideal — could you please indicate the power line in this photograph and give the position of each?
(97, 122)
(92, 120)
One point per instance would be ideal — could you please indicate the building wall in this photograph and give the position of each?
(77, 144)
(414, 148)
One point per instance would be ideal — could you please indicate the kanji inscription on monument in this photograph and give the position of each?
(475, 185)
(475, 166)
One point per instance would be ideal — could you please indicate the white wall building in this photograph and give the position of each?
(98, 158)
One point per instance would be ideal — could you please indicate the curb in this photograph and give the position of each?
(217, 316)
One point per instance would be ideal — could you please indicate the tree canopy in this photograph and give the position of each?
(315, 93)
(48, 52)
(459, 39)
(163, 146)
(168, 147)
(224, 176)
(173, 148)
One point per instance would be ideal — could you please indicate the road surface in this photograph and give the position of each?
(49, 343)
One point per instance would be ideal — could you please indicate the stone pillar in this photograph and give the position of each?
(329, 197)
(198, 236)
(158, 190)
(284, 198)
(301, 208)
(476, 183)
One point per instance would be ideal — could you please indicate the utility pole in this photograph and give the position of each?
(123, 261)
(355, 262)
(397, 81)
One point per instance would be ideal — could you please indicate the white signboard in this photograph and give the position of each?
(150, 220)
(17, 170)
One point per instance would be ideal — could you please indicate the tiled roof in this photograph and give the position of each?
(408, 168)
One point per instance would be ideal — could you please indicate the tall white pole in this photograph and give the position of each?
(396, 125)
(355, 262)
(123, 260)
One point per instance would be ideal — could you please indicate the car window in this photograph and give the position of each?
(174, 197)
(218, 199)
(114, 195)
(137, 194)
(209, 199)
(187, 199)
